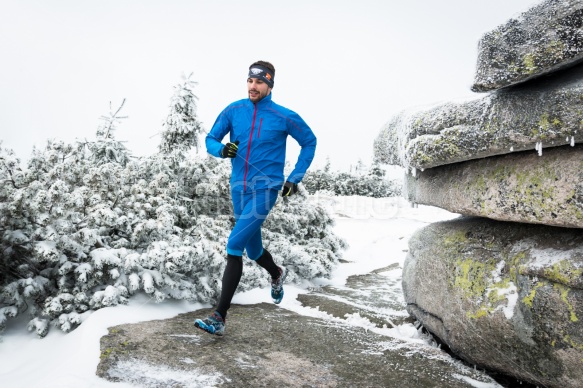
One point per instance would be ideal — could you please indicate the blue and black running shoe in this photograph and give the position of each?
(277, 286)
(214, 324)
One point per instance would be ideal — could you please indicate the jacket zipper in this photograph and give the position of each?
(259, 129)
(249, 148)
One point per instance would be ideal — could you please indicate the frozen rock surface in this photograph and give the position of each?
(267, 346)
(502, 295)
(371, 296)
(520, 187)
(542, 40)
(545, 113)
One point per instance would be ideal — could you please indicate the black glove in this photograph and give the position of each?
(289, 189)
(230, 149)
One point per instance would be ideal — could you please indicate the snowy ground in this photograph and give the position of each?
(377, 230)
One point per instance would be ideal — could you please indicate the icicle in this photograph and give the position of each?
(413, 171)
(572, 141)
(539, 147)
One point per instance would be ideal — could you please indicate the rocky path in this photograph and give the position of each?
(372, 296)
(344, 338)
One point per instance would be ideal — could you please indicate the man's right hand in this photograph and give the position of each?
(230, 149)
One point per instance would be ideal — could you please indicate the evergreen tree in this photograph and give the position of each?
(360, 167)
(328, 165)
(376, 170)
(182, 128)
(105, 148)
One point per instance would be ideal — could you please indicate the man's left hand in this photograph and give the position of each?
(289, 189)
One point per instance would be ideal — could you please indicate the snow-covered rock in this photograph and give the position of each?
(546, 113)
(504, 296)
(520, 187)
(543, 39)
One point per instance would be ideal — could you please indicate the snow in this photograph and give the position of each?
(475, 383)
(510, 292)
(546, 258)
(156, 375)
(377, 231)
(26, 361)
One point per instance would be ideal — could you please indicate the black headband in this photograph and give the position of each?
(262, 73)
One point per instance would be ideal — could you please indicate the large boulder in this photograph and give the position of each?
(521, 187)
(502, 295)
(546, 113)
(542, 40)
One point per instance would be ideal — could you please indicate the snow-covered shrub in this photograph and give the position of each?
(86, 226)
(371, 183)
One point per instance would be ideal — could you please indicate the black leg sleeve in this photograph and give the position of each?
(231, 278)
(266, 261)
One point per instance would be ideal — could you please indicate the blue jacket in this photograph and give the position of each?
(262, 130)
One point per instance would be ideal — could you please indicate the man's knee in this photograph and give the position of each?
(234, 258)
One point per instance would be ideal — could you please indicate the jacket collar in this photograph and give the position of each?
(263, 102)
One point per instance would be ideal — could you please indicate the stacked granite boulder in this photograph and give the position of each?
(502, 285)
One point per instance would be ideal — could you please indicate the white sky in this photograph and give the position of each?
(345, 66)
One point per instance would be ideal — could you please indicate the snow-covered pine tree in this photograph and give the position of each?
(377, 170)
(106, 148)
(328, 165)
(13, 265)
(41, 212)
(360, 168)
(182, 128)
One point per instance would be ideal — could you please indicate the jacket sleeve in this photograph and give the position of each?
(220, 128)
(303, 134)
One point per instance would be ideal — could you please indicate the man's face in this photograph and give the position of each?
(257, 89)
